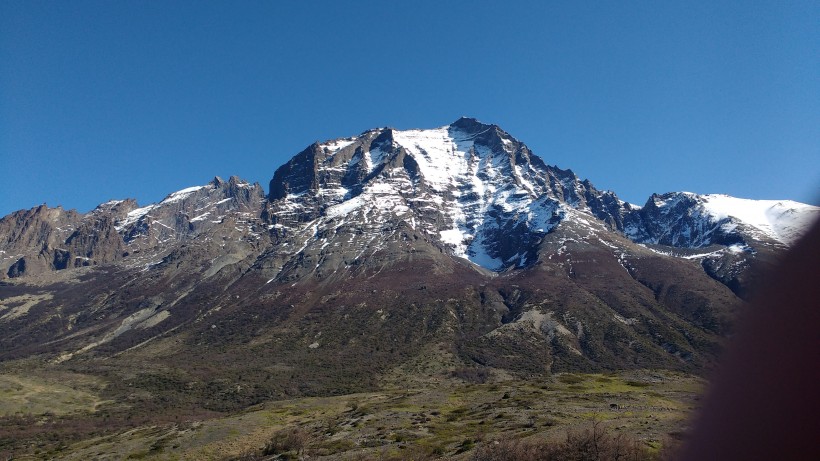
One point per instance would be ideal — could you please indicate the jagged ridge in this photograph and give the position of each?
(470, 188)
(377, 246)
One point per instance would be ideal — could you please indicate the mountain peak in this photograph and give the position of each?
(469, 124)
(472, 189)
(466, 184)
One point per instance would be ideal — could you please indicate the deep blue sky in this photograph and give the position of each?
(103, 100)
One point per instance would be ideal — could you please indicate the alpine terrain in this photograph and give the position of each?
(404, 257)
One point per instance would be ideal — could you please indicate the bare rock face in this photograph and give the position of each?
(33, 239)
(479, 194)
(471, 188)
(371, 248)
(47, 239)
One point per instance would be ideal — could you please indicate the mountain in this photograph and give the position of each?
(47, 239)
(418, 249)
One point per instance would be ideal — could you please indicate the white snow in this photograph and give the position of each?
(454, 237)
(474, 189)
(436, 153)
(479, 181)
(373, 158)
(782, 220)
(345, 207)
(181, 194)
(481, 258)
(201, 217)
(467, 192)
(337, 144)
(134, 216)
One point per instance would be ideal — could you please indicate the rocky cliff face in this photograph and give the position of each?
(42, 239)
(371, 249)
(472, 188)
(686, 220)
(477, 193)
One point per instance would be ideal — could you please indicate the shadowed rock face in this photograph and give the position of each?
(371, 248)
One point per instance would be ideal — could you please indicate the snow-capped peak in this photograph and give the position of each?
(465, 183)
(487, 198)
(686, 219)
(781, 220)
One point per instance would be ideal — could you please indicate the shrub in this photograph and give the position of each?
(594, 443)
(472, 375)
(286, 440)
(466, 445)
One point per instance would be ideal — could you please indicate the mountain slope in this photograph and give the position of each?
(684, 219)
(464, 185)
(367, 251)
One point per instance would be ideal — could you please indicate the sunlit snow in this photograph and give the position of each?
(467, 193)
(181, 194)
(782, 220)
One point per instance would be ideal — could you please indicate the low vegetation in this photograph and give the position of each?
(633, 415)
(593, 443)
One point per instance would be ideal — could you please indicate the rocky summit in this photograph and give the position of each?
(448, 247)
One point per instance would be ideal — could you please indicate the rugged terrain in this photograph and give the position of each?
(371, 254)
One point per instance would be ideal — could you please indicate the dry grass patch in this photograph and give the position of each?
(32, 395)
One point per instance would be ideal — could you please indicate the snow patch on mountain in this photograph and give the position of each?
(688, 220)
(482, 189)
(466, 183)
(337, 144)
(781, 220)
(133, 216)
(181, 194)
(481, 194)
(442, 159)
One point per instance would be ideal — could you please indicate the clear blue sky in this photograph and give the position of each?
(102, 100)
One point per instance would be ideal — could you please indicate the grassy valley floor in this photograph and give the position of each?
(59, 417)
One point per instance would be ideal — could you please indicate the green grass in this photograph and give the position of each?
(440, 419)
